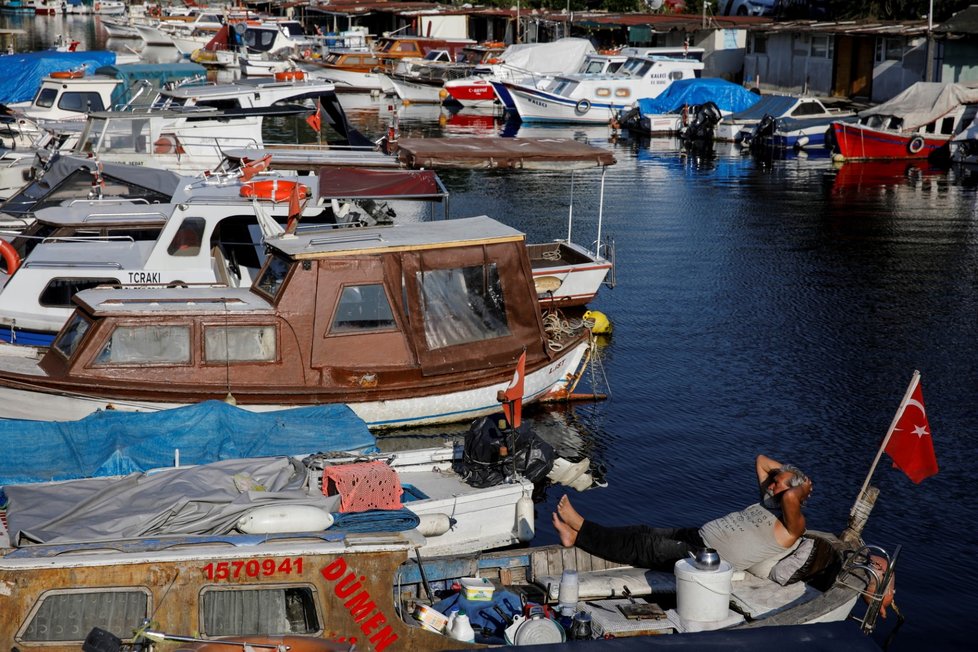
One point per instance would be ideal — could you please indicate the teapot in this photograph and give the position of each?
(705, 559)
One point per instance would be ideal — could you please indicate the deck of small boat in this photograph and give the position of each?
(244, 86)
(555, 254)
(321, 242)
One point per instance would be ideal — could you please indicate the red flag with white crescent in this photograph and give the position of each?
(911, 446)
(512, 397)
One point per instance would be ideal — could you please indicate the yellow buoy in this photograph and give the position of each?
(602, 325)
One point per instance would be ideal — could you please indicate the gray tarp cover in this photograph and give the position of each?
(206, 499)
(925, 102)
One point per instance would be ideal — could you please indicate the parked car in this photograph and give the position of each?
(748, 7)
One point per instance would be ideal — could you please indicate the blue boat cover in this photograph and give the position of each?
(729, 97)
(24, 71)
(157, 74)
(118, 443)
(773, 105)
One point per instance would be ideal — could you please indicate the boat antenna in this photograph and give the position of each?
(570, 210)
(229, 399)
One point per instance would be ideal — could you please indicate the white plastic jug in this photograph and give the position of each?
(460, 628)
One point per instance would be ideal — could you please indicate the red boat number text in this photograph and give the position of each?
(230, 570)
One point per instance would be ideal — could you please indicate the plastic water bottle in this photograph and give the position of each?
(568, 592)
(460, 628)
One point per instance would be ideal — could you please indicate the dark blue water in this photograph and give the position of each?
(762, 306)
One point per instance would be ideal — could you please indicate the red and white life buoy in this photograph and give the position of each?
(10, 257)
(916, 144)
(167, 144)
(273, 189)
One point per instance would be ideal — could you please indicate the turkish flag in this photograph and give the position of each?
(910, 445)
(512, 397)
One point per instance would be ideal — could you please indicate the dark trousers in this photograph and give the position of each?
(639, 545)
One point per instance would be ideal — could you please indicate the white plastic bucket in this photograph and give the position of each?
(702, 595)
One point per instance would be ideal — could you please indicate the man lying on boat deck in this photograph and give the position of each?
(763, 531)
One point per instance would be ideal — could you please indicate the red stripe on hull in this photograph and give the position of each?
(860, 142)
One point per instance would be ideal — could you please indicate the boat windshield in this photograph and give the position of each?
(636, 67)
(462, 305)
(71, 335)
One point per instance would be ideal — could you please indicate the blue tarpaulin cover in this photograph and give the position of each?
(23, 72)
(118, 443)
(729, 97)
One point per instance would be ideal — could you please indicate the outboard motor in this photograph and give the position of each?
(764, 130)
(703, 125)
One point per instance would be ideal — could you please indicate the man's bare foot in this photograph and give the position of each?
(568, 535)
(568, 514)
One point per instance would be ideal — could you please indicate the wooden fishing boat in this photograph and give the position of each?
(408, 324)
(374, 590)
(916, 124)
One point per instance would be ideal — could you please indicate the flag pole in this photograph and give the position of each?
(903, 404)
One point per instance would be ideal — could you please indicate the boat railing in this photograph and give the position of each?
(61, 264)
(96, 202)
(870, 578)
(117, 217)
(87, 238)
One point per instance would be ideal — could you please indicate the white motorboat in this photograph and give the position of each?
(599, 98)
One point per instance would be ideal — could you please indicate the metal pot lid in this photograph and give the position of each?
(539, 632)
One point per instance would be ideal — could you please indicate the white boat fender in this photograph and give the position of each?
(524, 518)
(275, 519)
(435, 525)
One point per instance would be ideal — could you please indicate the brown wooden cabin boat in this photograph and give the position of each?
(408, 324)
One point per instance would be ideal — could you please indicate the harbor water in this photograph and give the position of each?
(762, 306)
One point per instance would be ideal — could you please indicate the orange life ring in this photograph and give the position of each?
(274, 189)
(290, 75)
(10, 256)
(68, 74)
(167, 144)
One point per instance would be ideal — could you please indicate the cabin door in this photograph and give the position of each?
(854, 56)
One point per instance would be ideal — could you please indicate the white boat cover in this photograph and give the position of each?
(562, 56)
(925, 102)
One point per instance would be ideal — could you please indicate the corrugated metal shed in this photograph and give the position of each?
(848, 28)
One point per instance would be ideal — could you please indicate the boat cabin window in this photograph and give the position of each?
(260, 39)
(188, 238)
(292, 28)
(59, 291)
(81, 102)
(636, 67)
(461, 305)
(362, 308)
(676, 74)
(70, 615)
(270, 281)
(71, 335)
(808, 108)
(220, 104)
(146, 345)
(45, 98)
(591, 67)
(438, 55)
(272, 610)
(239, 344)
(947, 125)
(623, 92)
(603, 92)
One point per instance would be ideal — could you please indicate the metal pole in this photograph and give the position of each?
(570, 211)
(929, 73)
(604, 170)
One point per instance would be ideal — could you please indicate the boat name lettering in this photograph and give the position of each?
(228, 570)
(144, 277)
(372, 620)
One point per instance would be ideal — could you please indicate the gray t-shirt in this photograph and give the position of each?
(744, 538)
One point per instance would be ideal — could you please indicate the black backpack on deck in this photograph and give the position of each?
(492, 454)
